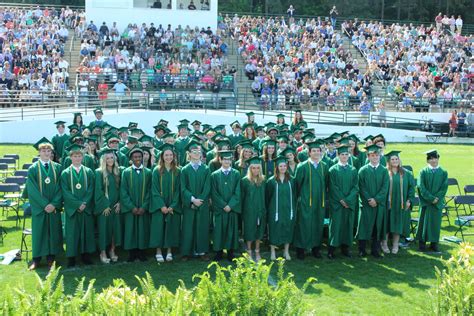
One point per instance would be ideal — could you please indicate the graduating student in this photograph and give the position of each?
(181, 143)
(135, 205)
(165, 207)
(160, 130)
(311, 185)
(44, 193)
(236, 135)
(432, 188)
(401, 192)
(225, 196)
(343, 200)
(281, 208)
(124, 159)
(253, 206)
(245, 154)
(290, 154)
(195, 192)
(260, 130)
(59, 140)
(268, 157)
(77, 185)
(107, 205)
(373, 188)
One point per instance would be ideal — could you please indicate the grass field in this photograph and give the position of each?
(392, 285)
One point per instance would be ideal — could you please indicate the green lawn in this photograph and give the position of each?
(393, 285)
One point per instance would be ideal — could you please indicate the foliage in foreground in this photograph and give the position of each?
(454, 292)
(246, 289)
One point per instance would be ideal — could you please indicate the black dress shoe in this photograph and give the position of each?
(132, 255)
(86, 259)
(230, 255)
(142, 256)
(376, 254)
(362, 253)
(316, 253)
(331, 255)
(434, 247)
(71, 262)
(300, 253)
(218, 256)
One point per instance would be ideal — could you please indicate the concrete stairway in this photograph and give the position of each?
(73, 57)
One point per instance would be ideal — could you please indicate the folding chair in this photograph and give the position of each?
(20, 180)
(3, 171)
(35, 159)
(25, 232)
(10, 193)
(468, 189)
(408, 167)
(462, 201)
(11, 162)
(26, 166)
(414, 221)
(452, 182)
(14, 156)
(21, 173)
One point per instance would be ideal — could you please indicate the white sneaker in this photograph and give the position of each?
(160, 258)
(169, 257)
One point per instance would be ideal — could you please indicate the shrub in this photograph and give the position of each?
(246, 289)
(454, 292)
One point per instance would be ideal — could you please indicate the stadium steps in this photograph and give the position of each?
(73, 57)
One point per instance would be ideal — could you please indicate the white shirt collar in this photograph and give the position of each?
(432, 168)
(342, 165)
(139, 168)
(226, 170)
(376, 166)
(44, 162)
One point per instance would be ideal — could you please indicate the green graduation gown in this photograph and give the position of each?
(58, 143)
(195, 223)
(165, 192)
(135, 192)
(180, 145)
(87, 161)
(268, 168)
(431, 185)
(235, 139)
(47, 236)
(343, 185)
(79, 226)
(253, 209)
(225, 190)
(281, 211)
(311, 186)
(107, 195)
(373, 183)
(401, 190)
(242, 170)
(303, 155)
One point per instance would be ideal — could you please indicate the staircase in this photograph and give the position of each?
(73, 57)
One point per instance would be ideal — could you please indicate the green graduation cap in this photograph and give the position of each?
(197, 138)
(226, 154)
(206, 127)
(73, 127)
(245, 125)
(344, 141)
(354, 138)
(98, 110)
(107, 150)
(192, 144)
(196, 122)
(280, 115)
(280, 159)
(283, 138)
(159, 127)
(307, 137)
(250, 114)
(344, 133)
(259, 128)
(123, 130)
(111, 136)
(166, 146)
(235, 124)
(91, 139)
(198, 133)
(393, 153)
(245, 143)
(288, 150)
(315, 144)
(335, 135)
(372, 149)
(147, 149)
(184, 121)
(283, 127)
(113, 130)
(76, 138)
(183, 125)
(42, 141)
(163, 122)
(342, 149)
(136, 131)
(132, 125)
(77, 114)
(218, 136)
(268, 142)
(58, 123)
(378, 138)
(135, 150)
(219, 127)
(271, 128)
(270, 124)
(132, 139)
(223, 143)
(169, 135)
(432, 153)
(75, 148)
(329, 140)
(368, 137)
(146, 138)
(254, 161)
(209, 130)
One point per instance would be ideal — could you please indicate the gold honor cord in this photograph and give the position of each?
(78, 186)
(143, 184)
(310, 183)
(40, 179)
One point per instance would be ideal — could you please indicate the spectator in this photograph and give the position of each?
(470, 120)
(290, 11)
(459, 24)
(364, 109)
(453, 124)
(157, 5)
(119, 88)
(333, 15)
(163, 99)
(191, 5)
(461, 117)
(382, 114)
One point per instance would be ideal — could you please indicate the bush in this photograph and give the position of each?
(454, 292)
(245, 289)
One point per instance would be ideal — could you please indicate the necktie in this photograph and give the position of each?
(433, 170)
(195, 166)
(46, 166)
(226, 172)
(138, 170)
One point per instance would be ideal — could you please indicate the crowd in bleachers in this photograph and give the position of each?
(421, 65)
(32, 43)
(298, 62)
(148, 56)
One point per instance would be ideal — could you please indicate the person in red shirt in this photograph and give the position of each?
(102, 89)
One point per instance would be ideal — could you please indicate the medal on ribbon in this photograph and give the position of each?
(47, 180)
